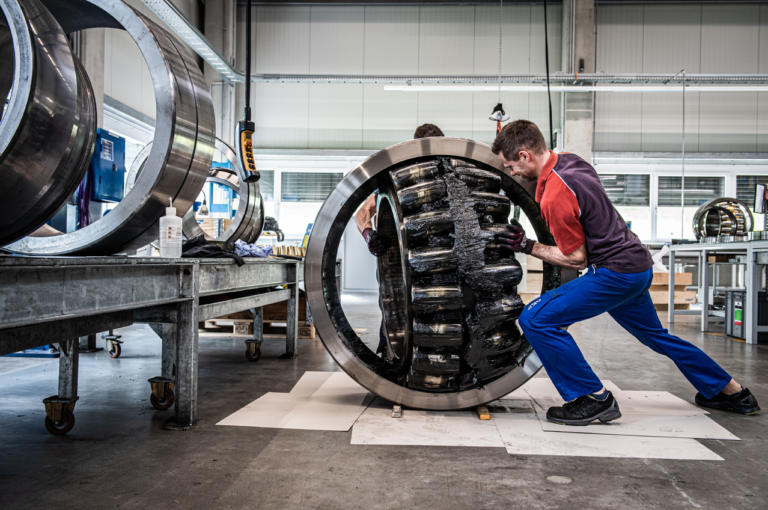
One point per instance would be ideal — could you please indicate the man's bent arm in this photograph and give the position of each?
(366, 212)
(553, 255)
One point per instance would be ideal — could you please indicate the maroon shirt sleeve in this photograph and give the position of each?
(560, 210)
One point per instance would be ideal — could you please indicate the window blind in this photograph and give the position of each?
(628, 189)
(697, 190)
(308, 186)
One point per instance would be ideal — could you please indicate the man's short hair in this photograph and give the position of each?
(427, 130)
(520, 135)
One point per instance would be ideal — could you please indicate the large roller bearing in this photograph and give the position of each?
(449, 298)
(49, 126)
(248, 222)
(182, 149)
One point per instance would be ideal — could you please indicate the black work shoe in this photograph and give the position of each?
(742, 402)
(584, 410)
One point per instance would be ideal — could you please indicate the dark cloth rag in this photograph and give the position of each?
(199, 248)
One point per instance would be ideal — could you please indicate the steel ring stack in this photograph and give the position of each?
(449, 298)
(48, 129)
(177, 164)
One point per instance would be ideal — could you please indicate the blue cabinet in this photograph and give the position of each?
(107, 171)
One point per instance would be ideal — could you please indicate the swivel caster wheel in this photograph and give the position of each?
(164, 403)
(115, 351)
(63, 426)
(255, 355)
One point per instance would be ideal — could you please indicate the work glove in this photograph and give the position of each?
(514, 240)
(377, 243)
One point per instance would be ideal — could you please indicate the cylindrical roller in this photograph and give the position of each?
(444, 314)
(432, 260)
(48, 130)
(182, 149)
(436, 363)
(413, 174)
(423, 225)
(480, 180)
(722, 217)
(418, 195)
(491, 204)
(436, 334)
(431, 299)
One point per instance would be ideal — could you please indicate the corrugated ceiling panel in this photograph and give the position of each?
(281, 39)
(388, 117)
(337, 40)
(662, 122)
(335, 116)
(450, 111)
(446, 40)
(618, 124)
(672, 38)
(391, 40)
(619, 39)
(516, 40)
(730, 37)
(554, 21)
(280, 112)
(728, 122)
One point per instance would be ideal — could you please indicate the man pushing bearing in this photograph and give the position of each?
(590, 233)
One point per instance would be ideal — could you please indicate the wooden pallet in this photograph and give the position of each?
(243, 327)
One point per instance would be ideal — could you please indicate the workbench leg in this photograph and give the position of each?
(754, 283)
(704, 291)
(292, 316)
(59, 409)
(69, 361)
(162, 397)
(253, 346)
(186, 368)
(88, 343)
(671, 306)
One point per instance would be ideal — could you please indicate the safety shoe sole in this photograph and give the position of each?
(609, 414)
(728, 406)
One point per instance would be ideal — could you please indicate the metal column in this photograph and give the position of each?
(292, 315)
(186, 353)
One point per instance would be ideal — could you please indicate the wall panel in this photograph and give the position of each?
(671, 39)
(281, 39)
(335, 116)
(516, 40)
(391, 40)
(446, 40)
(337, 40)
(388, 117)
(619, 39)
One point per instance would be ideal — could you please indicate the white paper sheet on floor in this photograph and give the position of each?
(319, 401)
(520, 429)
(423, 428)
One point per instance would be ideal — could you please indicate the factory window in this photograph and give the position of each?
(308, 186)
(631, 196)
(267, 185)
(698, 190)
(745, 191)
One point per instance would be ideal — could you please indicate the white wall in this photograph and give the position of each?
(461, 40)
(708, 38)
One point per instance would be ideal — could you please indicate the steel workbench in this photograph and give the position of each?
(45, 300)
(757, 256)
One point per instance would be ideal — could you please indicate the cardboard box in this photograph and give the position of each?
(719, 258)
(680, 279)
(665, 288)
(533, 264)
(681, 298)
(211, 225)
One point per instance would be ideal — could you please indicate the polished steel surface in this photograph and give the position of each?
(723, 217)
(47, 133)
(323, 296)
(182, 150)
(248, 222)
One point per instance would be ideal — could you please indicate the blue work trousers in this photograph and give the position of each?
(626, 298)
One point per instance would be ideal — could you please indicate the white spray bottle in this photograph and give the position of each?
(170, 234)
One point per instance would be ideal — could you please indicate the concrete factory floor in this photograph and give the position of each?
(117, 456)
